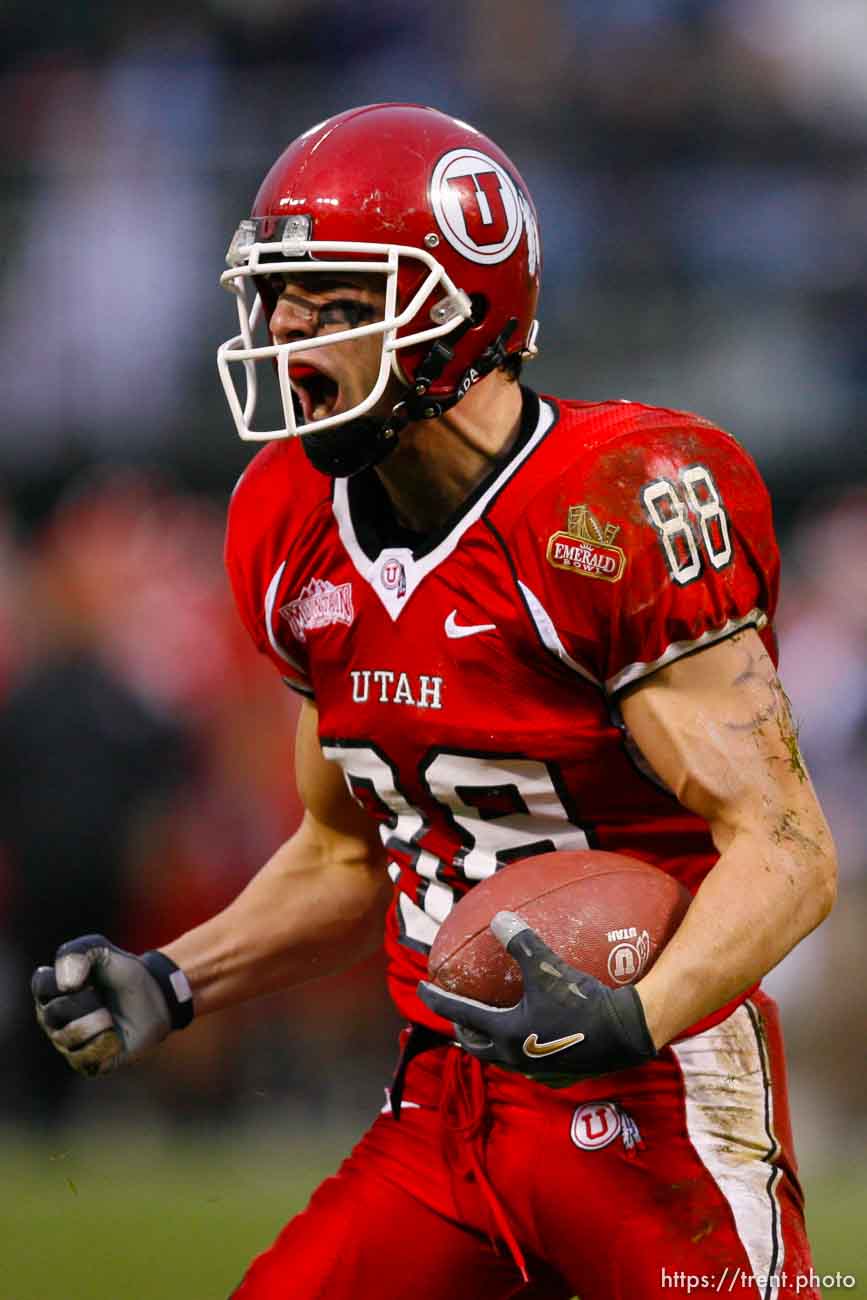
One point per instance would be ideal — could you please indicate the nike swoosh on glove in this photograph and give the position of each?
(102, 1007)
(566, 1024)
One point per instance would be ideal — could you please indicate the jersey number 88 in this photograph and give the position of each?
(669, 514)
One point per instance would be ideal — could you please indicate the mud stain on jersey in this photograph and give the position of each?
(726, 1088)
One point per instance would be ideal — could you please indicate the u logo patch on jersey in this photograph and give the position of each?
(598, 1123)
(595, 1125)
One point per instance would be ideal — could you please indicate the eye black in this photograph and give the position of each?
(347, 313)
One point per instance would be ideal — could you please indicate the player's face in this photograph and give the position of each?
(330, 379)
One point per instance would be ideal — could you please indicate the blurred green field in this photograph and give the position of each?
(98, 1219)
(90, 1219)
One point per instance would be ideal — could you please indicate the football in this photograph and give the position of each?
(607, 914)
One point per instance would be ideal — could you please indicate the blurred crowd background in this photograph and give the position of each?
(700, 169)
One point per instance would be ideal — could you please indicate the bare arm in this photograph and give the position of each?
(317, 905)
(717, 728)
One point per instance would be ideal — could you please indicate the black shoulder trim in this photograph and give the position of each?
(306, 691)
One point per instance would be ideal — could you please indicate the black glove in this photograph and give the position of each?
(566, 1024)
(102, 1007)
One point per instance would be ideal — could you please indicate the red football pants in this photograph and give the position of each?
(674, 1179)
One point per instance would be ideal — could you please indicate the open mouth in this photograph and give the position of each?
(316, 392)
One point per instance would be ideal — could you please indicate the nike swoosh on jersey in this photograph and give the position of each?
(454, 629)
(532, 1046)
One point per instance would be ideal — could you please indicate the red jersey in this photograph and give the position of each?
(467, 681)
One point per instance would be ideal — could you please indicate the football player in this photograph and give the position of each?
(519, 624)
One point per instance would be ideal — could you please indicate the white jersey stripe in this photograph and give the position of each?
(729, 1120)
(548, 633)
(301, 681)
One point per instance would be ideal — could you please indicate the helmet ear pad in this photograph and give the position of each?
(464, 338)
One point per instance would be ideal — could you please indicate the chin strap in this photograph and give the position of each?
(365, 442)
(420, 406)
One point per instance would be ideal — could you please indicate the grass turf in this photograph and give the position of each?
(91, 1218)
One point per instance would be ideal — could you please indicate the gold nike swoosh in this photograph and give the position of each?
(532, 1046)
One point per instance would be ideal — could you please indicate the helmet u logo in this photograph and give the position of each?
(481, 200)
(477, 206)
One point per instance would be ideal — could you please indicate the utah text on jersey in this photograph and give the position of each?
(396, 688)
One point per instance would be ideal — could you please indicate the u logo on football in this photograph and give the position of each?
(476, 205)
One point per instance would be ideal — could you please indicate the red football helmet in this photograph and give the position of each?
(420, 198)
